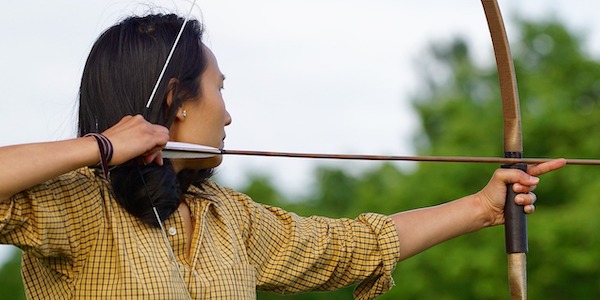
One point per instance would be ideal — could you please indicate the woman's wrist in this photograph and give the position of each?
(105, 150)
(485, 214)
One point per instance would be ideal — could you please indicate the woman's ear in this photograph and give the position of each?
(171, 91)
(181, 112)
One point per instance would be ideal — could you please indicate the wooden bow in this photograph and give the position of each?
(515, 227)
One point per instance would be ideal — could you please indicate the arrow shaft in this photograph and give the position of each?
(449, 159)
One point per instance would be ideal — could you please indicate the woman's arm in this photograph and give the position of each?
(23, 166)
(421, 229)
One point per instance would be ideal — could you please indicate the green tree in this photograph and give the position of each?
(11, 286)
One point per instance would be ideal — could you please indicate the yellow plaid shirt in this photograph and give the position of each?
(79, 243)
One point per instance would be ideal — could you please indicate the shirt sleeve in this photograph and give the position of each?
(294, 254)
(55, 218)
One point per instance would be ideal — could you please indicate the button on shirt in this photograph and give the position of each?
(79, 243)
(172, 231)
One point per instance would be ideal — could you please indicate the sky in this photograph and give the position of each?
(329, 76)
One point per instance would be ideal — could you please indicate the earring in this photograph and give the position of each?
(184, 113)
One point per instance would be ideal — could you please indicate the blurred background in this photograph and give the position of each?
(377, 77)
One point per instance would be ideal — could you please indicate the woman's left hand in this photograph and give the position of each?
(493, 195)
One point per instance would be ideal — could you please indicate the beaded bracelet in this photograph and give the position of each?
(106, 151)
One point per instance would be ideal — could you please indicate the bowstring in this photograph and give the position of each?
(164, 234)
(154, 90)
(164, 68)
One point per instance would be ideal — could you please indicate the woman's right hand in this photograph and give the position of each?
(134, 137)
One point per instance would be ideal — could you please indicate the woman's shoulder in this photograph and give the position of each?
(225, 198)
(216, 192)
(83, 178)
(83, 181)
(85, 173)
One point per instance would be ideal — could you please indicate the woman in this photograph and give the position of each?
(160, 229)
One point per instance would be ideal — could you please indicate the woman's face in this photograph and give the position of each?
(202, 121)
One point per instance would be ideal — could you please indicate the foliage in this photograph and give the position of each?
(460, 112)
(11, 286)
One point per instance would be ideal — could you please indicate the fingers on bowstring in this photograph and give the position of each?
(159, 159)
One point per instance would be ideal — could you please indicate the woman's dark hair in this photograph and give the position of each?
(119, 76)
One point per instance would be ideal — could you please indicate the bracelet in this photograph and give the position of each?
(106, 151)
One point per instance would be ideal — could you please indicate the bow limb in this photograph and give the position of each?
(515, 220)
